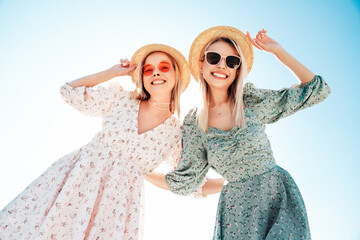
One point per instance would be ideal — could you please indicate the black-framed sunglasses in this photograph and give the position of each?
(213, 58)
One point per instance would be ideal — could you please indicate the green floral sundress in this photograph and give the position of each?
(261, 200)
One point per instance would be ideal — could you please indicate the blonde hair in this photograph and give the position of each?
(235, 90)
(140, 93)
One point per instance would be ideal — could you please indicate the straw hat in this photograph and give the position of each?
(144, 51)
(206, 36)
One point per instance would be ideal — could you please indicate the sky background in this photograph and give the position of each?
(44, 44)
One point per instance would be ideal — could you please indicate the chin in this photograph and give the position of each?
(160, 91)
(219, 85)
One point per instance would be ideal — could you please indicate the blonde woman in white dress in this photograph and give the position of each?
(96, 191)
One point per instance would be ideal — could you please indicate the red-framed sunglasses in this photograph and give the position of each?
(213, 58)
(148, 69)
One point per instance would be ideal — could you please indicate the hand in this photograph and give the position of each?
(264, 43)
(219, 183)
(211, 186)
(123, 68)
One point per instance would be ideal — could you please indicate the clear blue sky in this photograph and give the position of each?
(44, 44)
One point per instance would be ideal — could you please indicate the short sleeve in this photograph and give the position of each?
(92, 101)
(193, 165)
(272, 105)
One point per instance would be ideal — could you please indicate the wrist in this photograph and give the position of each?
(279, 52)
(112, 72)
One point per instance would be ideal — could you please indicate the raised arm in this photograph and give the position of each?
(95, 102)
(121, 69)
(267, 44)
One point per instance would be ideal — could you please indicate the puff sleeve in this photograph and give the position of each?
(91, 101)
(174, 155)
(190, 173)
(271, 105)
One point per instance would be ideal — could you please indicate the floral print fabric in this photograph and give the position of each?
(266, 206)
(95, 192)
(257, 186)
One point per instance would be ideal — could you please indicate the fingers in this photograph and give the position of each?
(132, 68)
(255, 44)
(262, 31)
(252, 40)
(129, 70)
(125, 62)
(260, 44)
(258, 36)
(261, 35)
(249, 37)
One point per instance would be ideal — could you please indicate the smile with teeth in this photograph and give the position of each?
(219, 75)
(158, 82)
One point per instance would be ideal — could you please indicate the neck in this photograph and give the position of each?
(159, 104)
(160, 99)
(218, 97)
(157, 110)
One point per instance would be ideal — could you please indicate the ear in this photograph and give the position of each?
(201, 66)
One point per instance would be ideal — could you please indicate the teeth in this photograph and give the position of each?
(158, 82)
(219, 75)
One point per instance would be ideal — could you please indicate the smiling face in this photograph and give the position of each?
(219, 76)
(159, 82)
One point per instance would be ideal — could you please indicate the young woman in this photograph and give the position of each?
(261, 200)
(95, 192)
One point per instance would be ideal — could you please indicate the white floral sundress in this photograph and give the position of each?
(96, 191)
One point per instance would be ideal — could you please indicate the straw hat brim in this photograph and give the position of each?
(210, 34)
(182, 63)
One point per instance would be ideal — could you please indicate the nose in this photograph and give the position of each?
(222, 63)
(156, 72)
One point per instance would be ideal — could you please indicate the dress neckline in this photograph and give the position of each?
(234, 127)
(137, 108)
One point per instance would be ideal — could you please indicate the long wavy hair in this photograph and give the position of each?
(235, 90)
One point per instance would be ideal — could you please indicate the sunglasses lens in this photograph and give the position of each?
(213, 58)
(164, 66)
(147, 70)
(232, 61)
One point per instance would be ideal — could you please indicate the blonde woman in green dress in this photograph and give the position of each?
(261, 200)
